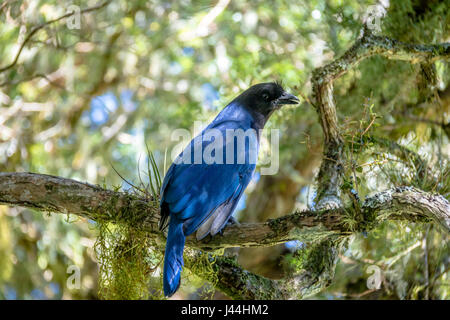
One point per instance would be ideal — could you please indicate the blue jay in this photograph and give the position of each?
(204, 184)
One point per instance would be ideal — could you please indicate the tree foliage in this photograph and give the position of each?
(87, 103)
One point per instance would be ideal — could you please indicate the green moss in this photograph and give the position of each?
(6, 266)
(127, 263)
(277, 225)
(204, 265)
(130, 261)
(316, 257)
(351, 220)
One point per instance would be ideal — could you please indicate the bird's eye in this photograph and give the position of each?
(265, 96)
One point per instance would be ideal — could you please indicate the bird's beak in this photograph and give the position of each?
(287, 98)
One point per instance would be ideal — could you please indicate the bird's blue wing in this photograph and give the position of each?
(195, 192)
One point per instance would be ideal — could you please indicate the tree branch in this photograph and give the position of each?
(404, 203)
(315, 273)
(409, 157)
(42, 25)
(330, 174)
(54, 194)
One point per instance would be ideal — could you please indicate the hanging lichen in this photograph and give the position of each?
(202, 265)
(6, 265)
(127, 264)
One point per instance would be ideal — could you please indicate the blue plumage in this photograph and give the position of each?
(201, 196)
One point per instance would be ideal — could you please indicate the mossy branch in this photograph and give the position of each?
(330, 177)
(330, 174)
(327, 228)
(55, 194)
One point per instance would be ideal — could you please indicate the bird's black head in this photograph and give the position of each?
(264, 98)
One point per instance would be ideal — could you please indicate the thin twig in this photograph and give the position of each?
(41, 26)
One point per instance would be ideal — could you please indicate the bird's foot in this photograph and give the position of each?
(231, 222)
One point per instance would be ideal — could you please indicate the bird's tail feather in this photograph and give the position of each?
(173, 257)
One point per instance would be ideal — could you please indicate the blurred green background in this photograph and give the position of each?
(81, 100)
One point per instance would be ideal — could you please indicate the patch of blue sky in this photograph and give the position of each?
(54, 287)
(127, 186)
(242, 204)
(294, 245)
(307, 195)
(98, 115)
(256, 177)
(126, 97)
(9, 293)
(37, 294)
(101, 106)
(134, 131)
(188, 51)
(174, 68)
(210, 96)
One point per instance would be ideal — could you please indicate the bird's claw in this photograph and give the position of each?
(231, 222)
